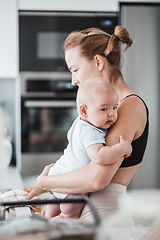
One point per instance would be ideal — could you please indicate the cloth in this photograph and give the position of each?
(82, 135)
(20, 195)
(107, 204)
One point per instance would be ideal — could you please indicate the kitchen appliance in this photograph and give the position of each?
(48, 109)
(41, 35)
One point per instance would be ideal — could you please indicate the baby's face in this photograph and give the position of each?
(103, 112)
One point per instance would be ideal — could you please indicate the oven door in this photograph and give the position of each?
(44, 127)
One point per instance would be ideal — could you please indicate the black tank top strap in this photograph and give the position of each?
(139, 144)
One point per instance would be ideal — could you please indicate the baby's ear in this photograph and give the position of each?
(83, 110)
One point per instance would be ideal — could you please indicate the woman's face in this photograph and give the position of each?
(80, 67)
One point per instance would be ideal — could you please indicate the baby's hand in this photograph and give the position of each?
(127, 146)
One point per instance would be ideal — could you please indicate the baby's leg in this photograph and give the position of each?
(71, 210)
(52, 210)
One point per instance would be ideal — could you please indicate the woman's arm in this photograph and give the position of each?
(92, 177)
(99, 154)
(73, 182)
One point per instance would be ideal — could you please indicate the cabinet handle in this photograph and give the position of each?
(49, 104)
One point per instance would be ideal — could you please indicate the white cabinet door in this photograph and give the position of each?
(8, 39)
(69, 5)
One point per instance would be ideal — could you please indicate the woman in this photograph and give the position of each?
(93, 53)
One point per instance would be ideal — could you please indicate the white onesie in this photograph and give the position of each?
(82, 135)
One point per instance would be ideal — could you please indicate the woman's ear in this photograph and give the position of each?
(99, 62)
(83, 110)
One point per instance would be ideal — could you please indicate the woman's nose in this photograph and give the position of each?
(74, 81)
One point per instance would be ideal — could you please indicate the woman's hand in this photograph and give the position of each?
(37, 190)
(46, 170)
(41, 180)
(33, 191)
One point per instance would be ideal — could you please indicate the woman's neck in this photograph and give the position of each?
(121, 88)
(118, 83)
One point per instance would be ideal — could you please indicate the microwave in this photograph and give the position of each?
(42, 34)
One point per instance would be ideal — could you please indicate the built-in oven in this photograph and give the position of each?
(48, 109)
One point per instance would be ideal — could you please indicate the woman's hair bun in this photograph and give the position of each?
(123, 36)
(120, 34)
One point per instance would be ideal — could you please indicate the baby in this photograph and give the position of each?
(97, 103)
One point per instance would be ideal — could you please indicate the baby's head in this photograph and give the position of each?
(97, 102)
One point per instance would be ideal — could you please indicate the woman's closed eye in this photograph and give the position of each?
(74, 70)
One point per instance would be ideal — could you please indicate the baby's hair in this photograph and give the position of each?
(91, 88)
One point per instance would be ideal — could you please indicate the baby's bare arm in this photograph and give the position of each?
(105, 155)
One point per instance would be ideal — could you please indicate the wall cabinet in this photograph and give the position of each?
(69, 5)
(8, 39)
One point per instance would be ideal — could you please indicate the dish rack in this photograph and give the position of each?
(22, 222)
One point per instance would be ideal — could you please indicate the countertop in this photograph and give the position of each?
(10, 178)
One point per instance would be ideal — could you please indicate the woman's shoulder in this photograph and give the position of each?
(132, 118)
(134, 112)
(133, 103)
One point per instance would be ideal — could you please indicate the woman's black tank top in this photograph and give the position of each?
(138, 145)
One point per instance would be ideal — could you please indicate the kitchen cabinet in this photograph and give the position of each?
(8, 39)
(70, 5)
(9, 96)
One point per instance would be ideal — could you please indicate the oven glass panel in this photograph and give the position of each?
(49, 44)
(45, 129)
